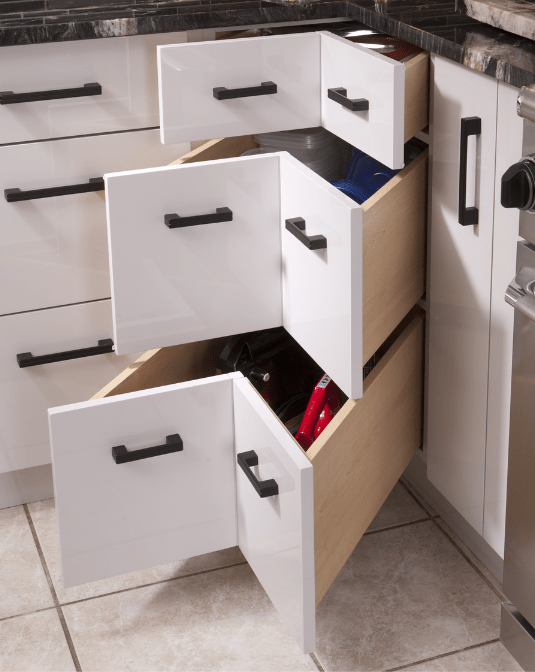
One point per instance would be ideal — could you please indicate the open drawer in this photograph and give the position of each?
(115, 518)
(247, 270)
(263, 84)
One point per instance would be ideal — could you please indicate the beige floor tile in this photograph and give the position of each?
(398, 508)
(222, 620)
(477, 562)
(23, 585)
(488, 658)
(34, 642)
(404, 595)
(44, 519)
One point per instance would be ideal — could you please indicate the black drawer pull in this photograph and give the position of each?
(264, 488)
(10, 98)
(265, 88)
(220, 215)
(25, 359)
(339, 96)
(15, 195)
(297, 226)
(469, 126)
(173, 444)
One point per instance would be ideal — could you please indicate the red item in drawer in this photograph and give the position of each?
(325, 394)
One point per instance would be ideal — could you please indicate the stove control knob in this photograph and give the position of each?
(518, 186)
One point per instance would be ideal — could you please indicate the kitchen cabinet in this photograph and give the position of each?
(297, 537)
(470, 327)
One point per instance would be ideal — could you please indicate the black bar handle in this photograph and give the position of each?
(339, 96)
(25, 359)
(265, 88)
(267, 488)
(469, 126)
(220, 215)
(173, 444)
(10, 98)
(297, 226)
(16, 195)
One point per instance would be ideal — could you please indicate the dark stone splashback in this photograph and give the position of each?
(434, 25)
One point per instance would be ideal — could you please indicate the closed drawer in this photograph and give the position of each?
(185, 284)
(198, 499)
(256, 85)
(124, 69)
(53, 250)
(27, 393)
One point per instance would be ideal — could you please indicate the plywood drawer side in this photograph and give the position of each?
(363, 452)
(416, 94)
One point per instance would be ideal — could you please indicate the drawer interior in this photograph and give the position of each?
(359, 457)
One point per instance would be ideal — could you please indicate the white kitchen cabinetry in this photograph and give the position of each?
(54, 250)
(469, 269)
(124, 68)
(215, 89)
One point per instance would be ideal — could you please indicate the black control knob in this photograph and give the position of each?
(518, 186)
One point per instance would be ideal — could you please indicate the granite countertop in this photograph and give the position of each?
(434, 25)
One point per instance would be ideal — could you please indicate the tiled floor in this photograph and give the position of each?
(410, 597)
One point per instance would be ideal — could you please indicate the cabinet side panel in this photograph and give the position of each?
(460, 265)
(363, 452)
(508, 151)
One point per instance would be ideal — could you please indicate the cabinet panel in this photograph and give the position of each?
(322, 289)
(129, 97)
(54, 251)
(378, 131)
(179, 285)
(189, 73)
(508, 151)
(118, 518)
(26, 394)
(460, 262)
(276, 534)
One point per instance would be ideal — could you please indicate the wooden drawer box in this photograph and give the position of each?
(301, 74)
(200, 282)
(117, 518)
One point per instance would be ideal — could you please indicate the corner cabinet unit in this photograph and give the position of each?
(184, 462)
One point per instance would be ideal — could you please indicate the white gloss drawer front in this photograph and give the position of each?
(212, 249)
(77, 88)
(257, 85)
(53, 241)
(49, 357)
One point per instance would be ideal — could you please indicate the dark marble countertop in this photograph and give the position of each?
(434, 25)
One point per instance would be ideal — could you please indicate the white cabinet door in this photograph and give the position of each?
(377, 79)
(276, 533)
(322, 288)
(118, 518)
(189, 73)
(460, 263)
(192, 283)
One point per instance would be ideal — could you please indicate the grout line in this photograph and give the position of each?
(26, 613)
(395, 527)
(411, 493)
(316, 662)
(469, 560)
(442, 655)
(59, 610)
(154, 583)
